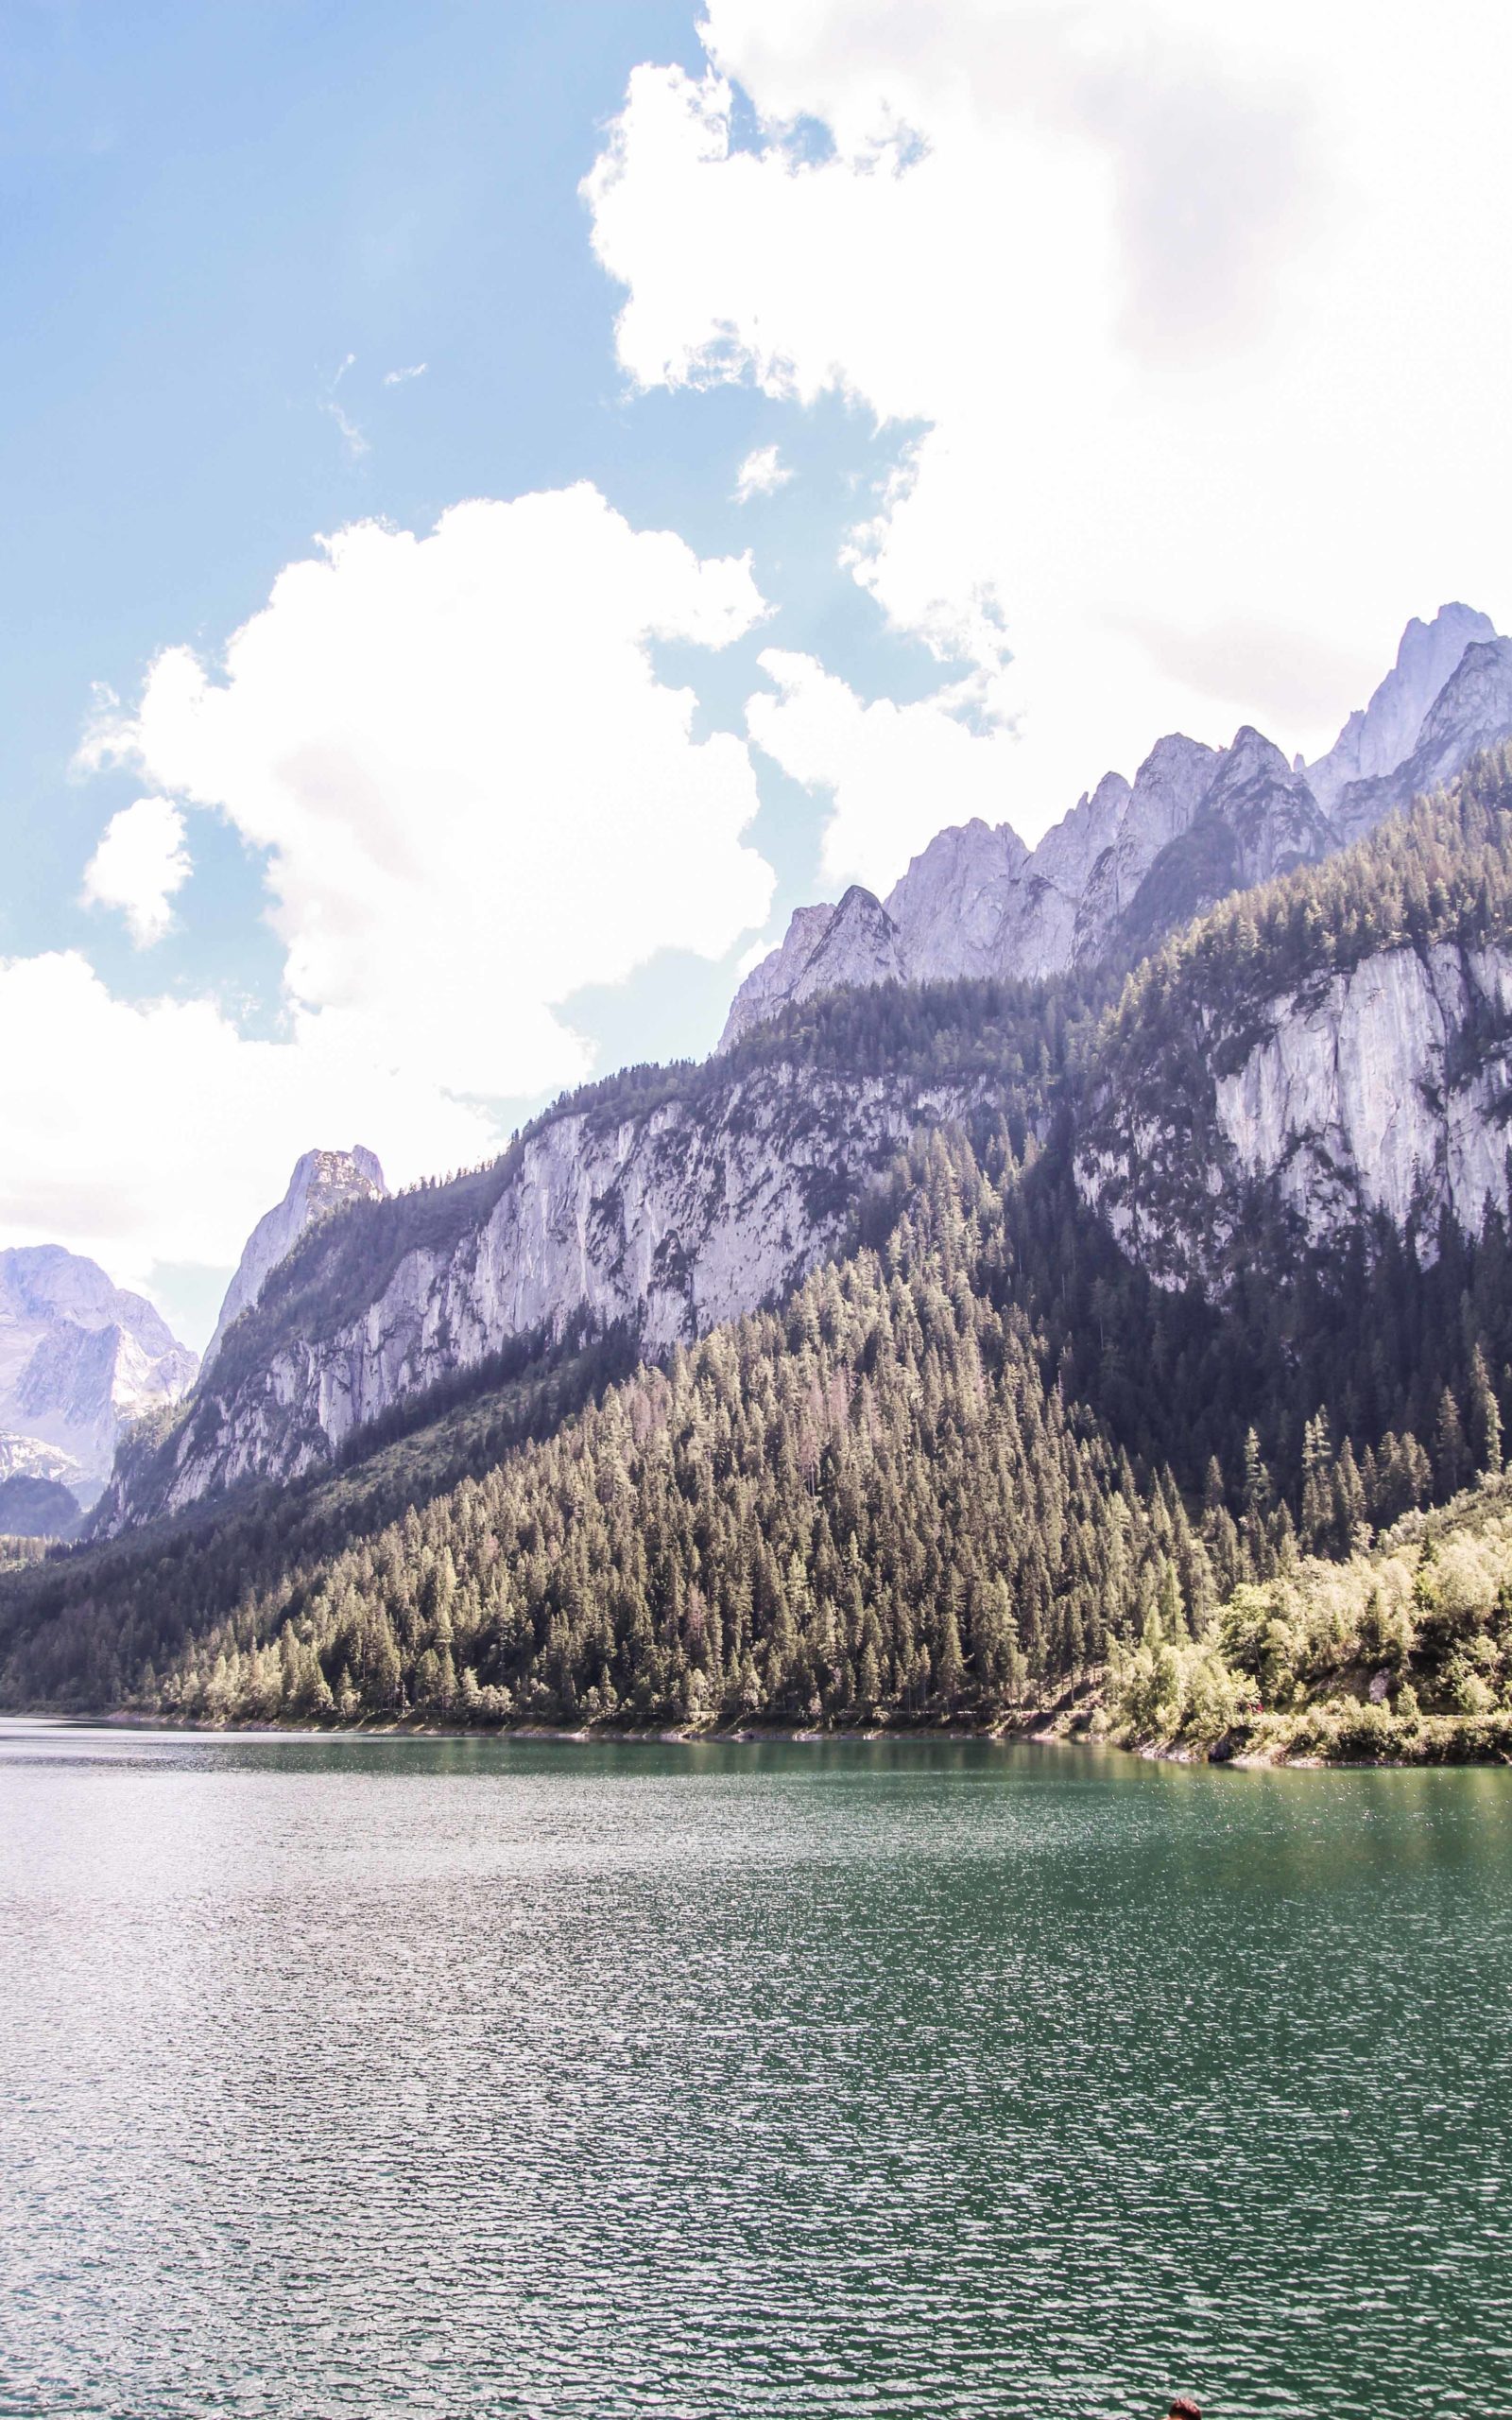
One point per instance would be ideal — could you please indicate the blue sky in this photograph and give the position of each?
(211, 209)
(1119, 369)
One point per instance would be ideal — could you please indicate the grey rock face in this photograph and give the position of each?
(323, 1182)
(823, 950)
(1354, 1104)
(79, 1359)
(671, 1222)
(1382, 736)
(1131, 862)
(1383, 1091)
(1474, 709)
(953, 900)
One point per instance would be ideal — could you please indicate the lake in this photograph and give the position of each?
(424, 2076)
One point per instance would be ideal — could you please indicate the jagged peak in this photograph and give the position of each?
(858, 901)
(974, 901)
(323, 1181)
(1378, 737)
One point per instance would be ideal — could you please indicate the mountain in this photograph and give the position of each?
(79, 1360)
(1314, 1055)
(1382, 736)
(42, 1489)
(37, 1507)
(1472, 711)
(1131, 863)
(962, 1350)
(323, 1182)
(663, 1207)
(664, 1203)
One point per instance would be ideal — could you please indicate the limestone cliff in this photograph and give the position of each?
(1381, 1087)
(323, 1182)
(669, 1220)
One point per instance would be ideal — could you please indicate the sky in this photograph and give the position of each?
(505, 501)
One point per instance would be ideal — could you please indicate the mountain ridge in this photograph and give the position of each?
(1132, 861)
(80, 1358)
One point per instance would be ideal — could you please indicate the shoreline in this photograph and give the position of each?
(1037, 1730)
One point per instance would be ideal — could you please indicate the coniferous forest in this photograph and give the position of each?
(978, 1469)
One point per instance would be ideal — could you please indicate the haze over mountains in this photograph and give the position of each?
(79, 1360)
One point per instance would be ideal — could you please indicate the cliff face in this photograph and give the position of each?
(79, 1359)
(670, 1221)
(1390, 1092)
(323, 1182)
(1134, 861)
(1385, 1087)
(1474, 709)
(1382, 736)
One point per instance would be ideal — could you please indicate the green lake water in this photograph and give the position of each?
(443, 2077)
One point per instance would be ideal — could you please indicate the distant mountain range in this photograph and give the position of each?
(81, 1360)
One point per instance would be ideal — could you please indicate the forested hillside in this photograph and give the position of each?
(1404, 1649)
(891, 1500)
(955, 1475)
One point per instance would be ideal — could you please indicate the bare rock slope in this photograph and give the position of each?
(79, 1360)
(1133, 861)
(669, 1220)
(323, 1182)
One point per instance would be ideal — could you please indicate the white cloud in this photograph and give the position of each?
(353, 437)
(473, 787)
(761, 473)
(139, 865)
(896, 774)
(475, 796)
(155, 1132)
(401, 377)
(1195, 309)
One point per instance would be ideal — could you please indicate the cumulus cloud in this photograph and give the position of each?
(154, 1132)
(1187, 314)
(139, 865)
(761, 473)
(473, 795)
(895, 773)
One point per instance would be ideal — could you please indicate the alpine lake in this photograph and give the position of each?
(399, 2075)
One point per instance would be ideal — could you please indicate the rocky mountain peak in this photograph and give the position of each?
(80, 1357)
(1472, 711)
(824, 949)
(952, 901)
(323, 1181)
(1132, 861)
(1382, 736)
